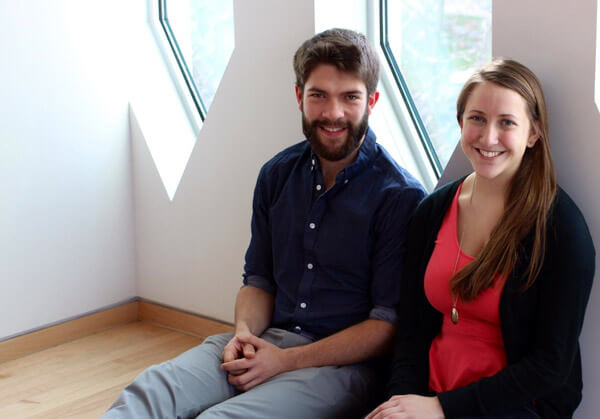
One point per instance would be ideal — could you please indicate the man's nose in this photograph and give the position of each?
(333, 110)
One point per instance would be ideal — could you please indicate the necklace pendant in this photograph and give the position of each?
(454, 315)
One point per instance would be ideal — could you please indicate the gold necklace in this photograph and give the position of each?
(454, 311)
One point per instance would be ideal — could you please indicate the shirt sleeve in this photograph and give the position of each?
(258, 267)
(390, 238)
(259, 282)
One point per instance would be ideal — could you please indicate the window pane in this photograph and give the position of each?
(204, 32)
(438, 44)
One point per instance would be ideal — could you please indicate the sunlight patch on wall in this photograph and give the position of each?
(162, 118)
(170, 145)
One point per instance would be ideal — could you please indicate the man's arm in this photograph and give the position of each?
(253, 311)
(365, 340)
(357, 343)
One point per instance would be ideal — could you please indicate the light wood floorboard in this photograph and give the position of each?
(81, 378)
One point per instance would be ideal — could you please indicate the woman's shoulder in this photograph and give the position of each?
(566, 214)
(441, 196)
(568, 227)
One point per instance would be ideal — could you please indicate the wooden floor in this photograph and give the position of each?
(81, 378)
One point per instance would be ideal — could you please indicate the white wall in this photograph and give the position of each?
(66, 211)
(190, 251)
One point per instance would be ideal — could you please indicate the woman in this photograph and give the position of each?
(498, 271)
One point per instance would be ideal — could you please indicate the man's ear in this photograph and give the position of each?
(372, 100)
(299, 94)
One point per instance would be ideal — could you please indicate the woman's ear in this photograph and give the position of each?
(534, 134)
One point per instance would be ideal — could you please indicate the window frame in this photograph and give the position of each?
(189, 81)
(421, 132)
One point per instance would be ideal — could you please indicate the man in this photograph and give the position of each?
(322, 270)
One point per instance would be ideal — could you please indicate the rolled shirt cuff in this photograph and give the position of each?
(259, 282)
(386, 314)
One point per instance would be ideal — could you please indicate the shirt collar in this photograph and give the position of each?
(364, 159)
(366, 155)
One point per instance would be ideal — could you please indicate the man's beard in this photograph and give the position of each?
(354, 134)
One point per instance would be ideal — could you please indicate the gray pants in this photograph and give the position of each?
(192, 385)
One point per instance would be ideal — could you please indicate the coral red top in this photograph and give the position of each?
(473, 348)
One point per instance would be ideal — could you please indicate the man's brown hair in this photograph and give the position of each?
(345, 49)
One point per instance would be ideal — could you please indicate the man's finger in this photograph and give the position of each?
(252, 340)
(250, 385)
(229, 354)
(236, 364)
(236, 372)
(241, 380)
(248, 350)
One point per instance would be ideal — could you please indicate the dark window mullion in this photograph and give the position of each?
(403, 87)
(164, 21)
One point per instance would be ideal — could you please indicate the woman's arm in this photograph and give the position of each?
(418, 322)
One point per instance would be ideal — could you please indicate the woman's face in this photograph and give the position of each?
(495, 131)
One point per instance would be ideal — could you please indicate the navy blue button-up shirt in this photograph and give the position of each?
(331, 258)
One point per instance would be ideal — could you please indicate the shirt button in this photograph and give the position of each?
(297, 329)
(309, 266)
(318, 187)
(346, 181)
(302, 305)
(312, 226)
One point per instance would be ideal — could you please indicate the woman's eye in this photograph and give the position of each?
(508, 122)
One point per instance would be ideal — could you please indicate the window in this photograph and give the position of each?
(432, 47)
(201, 35)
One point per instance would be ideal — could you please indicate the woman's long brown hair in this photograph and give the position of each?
(530, 193)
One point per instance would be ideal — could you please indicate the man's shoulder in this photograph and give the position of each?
(286, 158)
(395, 176)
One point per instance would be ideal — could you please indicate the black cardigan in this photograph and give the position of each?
(540, 326)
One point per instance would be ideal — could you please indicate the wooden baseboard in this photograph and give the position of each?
(137, 310)
(69, 330)
(181, 321)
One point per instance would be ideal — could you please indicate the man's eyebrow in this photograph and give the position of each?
(348, 92)
(316, 89)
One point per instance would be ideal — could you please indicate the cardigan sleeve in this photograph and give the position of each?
(562, 292)
(418, 322)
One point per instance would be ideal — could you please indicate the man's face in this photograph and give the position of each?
(335, 110)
